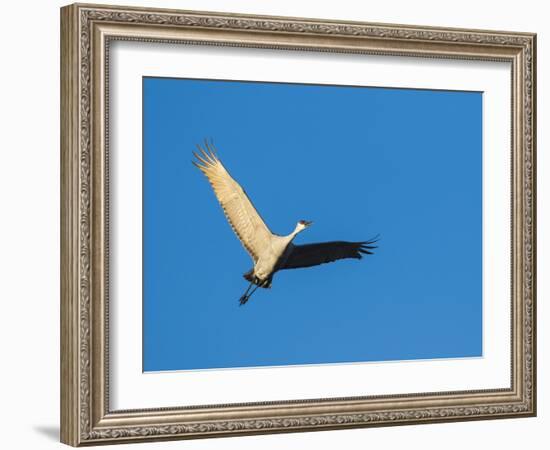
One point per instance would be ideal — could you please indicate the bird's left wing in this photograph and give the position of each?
(324, 252)
(245, 221)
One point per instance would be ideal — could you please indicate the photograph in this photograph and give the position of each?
(387, 180)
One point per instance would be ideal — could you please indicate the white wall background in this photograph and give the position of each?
(29, 225)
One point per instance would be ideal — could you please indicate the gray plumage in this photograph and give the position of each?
(270, 252)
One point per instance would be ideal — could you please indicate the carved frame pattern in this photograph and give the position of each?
(85, 415)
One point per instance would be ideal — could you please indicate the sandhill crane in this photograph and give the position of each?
(270, 252)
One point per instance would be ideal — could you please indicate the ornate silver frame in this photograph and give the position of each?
(86, 31)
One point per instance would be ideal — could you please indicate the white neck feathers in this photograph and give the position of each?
(299, 227)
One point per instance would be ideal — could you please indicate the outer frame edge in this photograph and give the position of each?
(69, 382)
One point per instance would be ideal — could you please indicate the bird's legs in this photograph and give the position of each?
(246, 296)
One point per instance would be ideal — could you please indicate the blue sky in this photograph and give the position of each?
(358, 161)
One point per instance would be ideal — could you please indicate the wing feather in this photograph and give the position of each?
(324, 252)
(241, 214)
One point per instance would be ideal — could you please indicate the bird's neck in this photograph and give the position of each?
(297, 230)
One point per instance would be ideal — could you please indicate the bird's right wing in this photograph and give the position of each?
(239, 210)
(314, 254)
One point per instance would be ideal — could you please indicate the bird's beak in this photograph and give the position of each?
(307, 223)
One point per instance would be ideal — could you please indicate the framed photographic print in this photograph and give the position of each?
(277, 224)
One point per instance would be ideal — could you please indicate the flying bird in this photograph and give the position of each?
(270, 252)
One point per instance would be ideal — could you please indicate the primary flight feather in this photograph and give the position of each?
(270, 252)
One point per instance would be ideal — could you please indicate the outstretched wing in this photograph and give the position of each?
(239, 210)
(314, 254)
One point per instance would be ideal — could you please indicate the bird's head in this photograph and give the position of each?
(302, 225)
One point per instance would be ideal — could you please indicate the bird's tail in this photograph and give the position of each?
(249, 276)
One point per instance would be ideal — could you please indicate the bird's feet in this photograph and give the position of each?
(243, 300)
